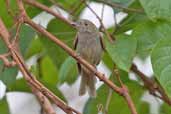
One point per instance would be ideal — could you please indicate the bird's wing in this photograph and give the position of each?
(102, 41)
(75, 46)
(75, 42)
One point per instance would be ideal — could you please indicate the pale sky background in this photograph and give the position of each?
(24, 103)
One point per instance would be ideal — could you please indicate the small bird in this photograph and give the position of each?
(89, 45)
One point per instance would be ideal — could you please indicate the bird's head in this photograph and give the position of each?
(85, 26)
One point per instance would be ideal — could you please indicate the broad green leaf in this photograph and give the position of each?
(122, 51)
(73, 7)
(149, 33)
(19, 85)
(34, 11)
(4, 108)
(7, 19)
(132, 19)
(117, 101)
(165, 109)
(124, 3)
(121, 2)
(7, 75)
(68, 71)
(34, 48)
(130, 22)
(26, 36)
(161, 63)
(157, 8)
(107, 61)
(65, 33)
(48, 71)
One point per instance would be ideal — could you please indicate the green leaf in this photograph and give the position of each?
(107, 61)
(157, 9)
(7, 75)
(117, 101)
(48, 71)
(68, 71)
(26, 36)
(165, 109)
(4, 109)
(34, 48)
(65, 33)
(19, 85)
(122, 51)
(124, 3)
(161, 63)
(149, 33)
(7, 19)
(33, 11)
(74, 7)
(130, 22)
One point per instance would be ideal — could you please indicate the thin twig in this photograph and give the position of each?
(115, 22)
(9, 9)
(5, 60)
(125, 91)
(108, 101)
(16, 37)
(48, 10)
(102, 12)
(44, 102)
(151, 85)
(116, 73)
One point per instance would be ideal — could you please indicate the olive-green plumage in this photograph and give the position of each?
(89, 45)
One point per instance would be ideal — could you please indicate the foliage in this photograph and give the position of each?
(151, 36)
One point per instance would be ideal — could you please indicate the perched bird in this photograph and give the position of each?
(89, 45)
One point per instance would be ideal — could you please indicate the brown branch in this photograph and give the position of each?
(108, 101)
(151, 85)
(18, 28)
(48, 10)
(7, 2)
(5, 60)
(119, 6)
(126, 95)
(44, 102)
(59, 5)
(129, 100)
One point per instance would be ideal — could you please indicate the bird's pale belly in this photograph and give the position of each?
(90, 51)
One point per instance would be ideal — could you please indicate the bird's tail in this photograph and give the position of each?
(88, 81)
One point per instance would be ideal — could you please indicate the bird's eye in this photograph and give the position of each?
(86, 24)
